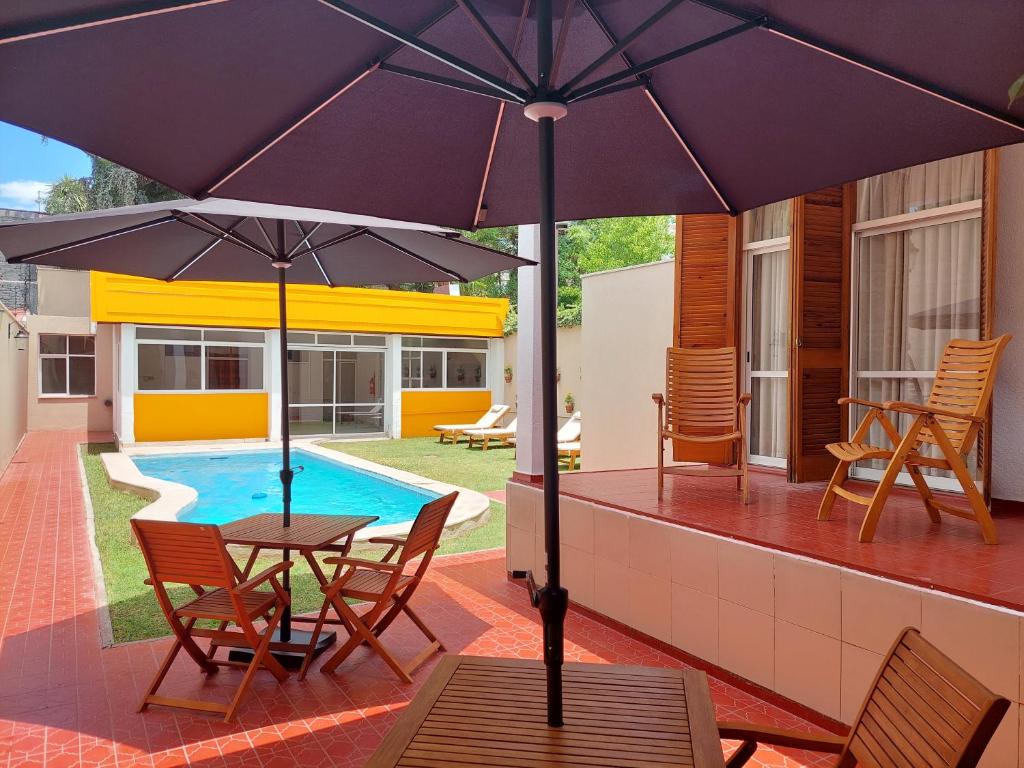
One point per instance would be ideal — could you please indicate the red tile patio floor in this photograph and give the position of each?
(64, 701)
(950, 556)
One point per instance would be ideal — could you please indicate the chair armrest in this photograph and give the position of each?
(858, 401)
(263, 576)
(744, 399)
(658, 398)
(358, 562)
(779, 737)
(392, 540)
(904, 407)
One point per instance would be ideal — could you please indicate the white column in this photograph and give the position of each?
(272, 382)
(529, 434)
(393, 386)
(127, 383)
(496, 369)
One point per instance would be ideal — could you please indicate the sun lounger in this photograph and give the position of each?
(487, 421)
(485, 436)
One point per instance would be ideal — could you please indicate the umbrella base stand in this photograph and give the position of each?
(291, 654)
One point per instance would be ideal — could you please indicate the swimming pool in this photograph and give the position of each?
(237, 484)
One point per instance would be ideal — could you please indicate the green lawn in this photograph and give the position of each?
(134, 613)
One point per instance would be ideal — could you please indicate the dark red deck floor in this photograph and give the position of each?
(65, 701)
(950, 556)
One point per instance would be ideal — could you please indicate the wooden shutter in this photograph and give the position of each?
(706, 290)
(819, 369)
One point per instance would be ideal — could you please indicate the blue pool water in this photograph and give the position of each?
(239, 484)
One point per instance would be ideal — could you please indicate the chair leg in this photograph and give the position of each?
(926, 493)
(260, 658)
(881, 495)
(839, 476)
(661, 468)
(974, 497)
(744, 463)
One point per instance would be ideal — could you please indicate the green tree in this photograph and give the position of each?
(67, 195)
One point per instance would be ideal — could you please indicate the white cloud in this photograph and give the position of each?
(23, 193)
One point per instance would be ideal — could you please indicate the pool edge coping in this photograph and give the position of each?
(169, 499)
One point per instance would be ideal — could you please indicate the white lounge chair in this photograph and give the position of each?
(506, 435)
(487, 421)
(568, 438)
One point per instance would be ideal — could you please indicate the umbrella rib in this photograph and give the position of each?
(789, 33)
(239, 240)
(439, 54)
(312, 112)
(563, 36)
(90, 240)
(622, 44)
(678, 53)
(213, 244)
(451, 273)
(79, 21)
(266, 236)
(472, 244)
(487, 166)
(656, 103)
(333, 241)
(304, 238)
(504, 53)
(458, 85)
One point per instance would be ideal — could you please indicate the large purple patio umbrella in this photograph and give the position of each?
(231, 240)
(423, 111)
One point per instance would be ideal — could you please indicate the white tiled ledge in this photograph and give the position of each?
(811, 631)
(169, 500)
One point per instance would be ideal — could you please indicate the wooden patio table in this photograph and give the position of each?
(491, 712)
(307, 535)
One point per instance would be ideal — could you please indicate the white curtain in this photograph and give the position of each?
(769, 338)
(918, 287)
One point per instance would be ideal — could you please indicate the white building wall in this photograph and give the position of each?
(627, 325)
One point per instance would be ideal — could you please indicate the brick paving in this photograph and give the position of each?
(65, 701)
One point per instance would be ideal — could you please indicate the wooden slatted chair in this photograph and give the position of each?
(194, 554)
(700, 407)
(388, 587)
(956, 410)
(923, 711)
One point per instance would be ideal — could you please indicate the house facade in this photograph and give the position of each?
(163, 362)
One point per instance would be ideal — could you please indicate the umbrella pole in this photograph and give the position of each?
(552, 597)
(285, 634)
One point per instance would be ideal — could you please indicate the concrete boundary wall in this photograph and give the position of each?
(13, 386)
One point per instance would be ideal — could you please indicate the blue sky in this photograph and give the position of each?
(28, 166)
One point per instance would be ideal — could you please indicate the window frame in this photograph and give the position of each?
(905, 222)
(443, 373)
(66, 356)
(203, 344)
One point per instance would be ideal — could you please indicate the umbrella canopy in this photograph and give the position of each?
(253, 242)
(423, 111)
(702, 106)
(232, 240)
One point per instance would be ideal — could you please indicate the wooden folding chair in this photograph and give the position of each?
(700, 407)
(923, 711)
(193, 554)
(388, 588)
(956, 410)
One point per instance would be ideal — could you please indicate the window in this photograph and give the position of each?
(67, 365)
(193, 359)
(767, 298)
(443, 363)
(916, 279)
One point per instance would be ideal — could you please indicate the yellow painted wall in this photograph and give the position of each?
(422, 409)
(126, 299)
(200, 416)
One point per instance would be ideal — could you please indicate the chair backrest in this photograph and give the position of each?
(700, 390)
(427, 527)
(924, 711)
(492, 416)
(963, 382)
(511, 426)
(571, 430)
(184, 553)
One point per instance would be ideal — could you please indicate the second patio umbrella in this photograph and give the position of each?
(253, 242)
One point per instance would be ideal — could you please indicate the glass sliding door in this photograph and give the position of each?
(336, 391)
(767, 301)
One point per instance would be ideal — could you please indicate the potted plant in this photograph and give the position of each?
(460, 373)
(570, 403)
(508, 374)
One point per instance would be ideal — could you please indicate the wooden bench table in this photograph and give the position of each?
(479, 711)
